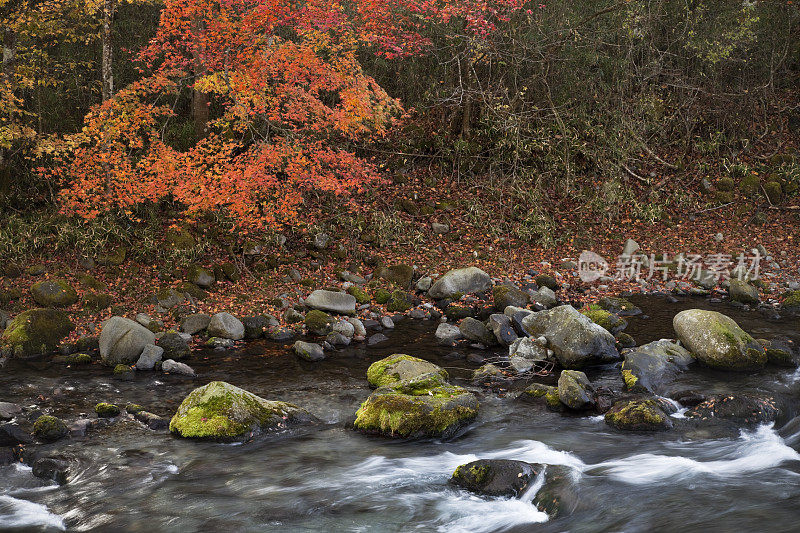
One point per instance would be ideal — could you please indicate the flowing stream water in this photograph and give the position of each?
(331, 478)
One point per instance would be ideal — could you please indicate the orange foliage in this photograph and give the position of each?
(290, 103)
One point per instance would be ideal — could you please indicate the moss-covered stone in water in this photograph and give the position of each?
(382, 296)
(106, 410)
(133, 408)
(36, 332)
(440, 412)
(638, 415)
(221, 411)
(608, 321)
(398, 367)
(361, 296)
(317, 321)
(399, 301)
(123, 373)
(629, 379)
(538, 392)
(78, 359)
(717, 341)
(552, 400)
(49, 428)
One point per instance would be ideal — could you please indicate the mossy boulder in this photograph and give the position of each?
(750, 185)
(192, 290)
(575, 340)
(543, 280)
(537, 392)
(200, 276)
(504, 296)
(179, 239)
(382, 296)
(221, 411)
(717, 341)
(113, 258)
(36, 332)
(606, 320)
(174, 346)
(401, 275)
(638, 415)
(726, 184)
(782, 351)
(618, 306)
(653, 366)
(9, 295)
(362, 297)
(418, 408)
(399, 301)
(318, 322)
(496, 477)
(106, 410)
(575, 391)
(399, 367)
(49, 428)
(54, 293)
(75, 359)
(97, 301)
(743, 292)
(791, 302)
(773, 191)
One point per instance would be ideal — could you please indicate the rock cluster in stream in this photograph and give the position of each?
(557, 343)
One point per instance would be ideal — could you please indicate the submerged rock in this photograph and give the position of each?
(309, 351)
(717, 341)
(575, 340)
(742, 409)
(653, 366)
(221, 411)
(496, 477)
(460, 281)
(638, 415)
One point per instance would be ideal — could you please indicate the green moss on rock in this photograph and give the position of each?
(317, 321)
(382, 296)
(608, 321)
(49, 428)
(398, 302)
(221, 411)
(106, 410)
(398, 367)
(361, 296)
(36, 332)
(54, 293)
(638, 415)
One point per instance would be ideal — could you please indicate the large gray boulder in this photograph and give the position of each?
(461, 280)
(331, 301)
(226, 326)
(496, 477)
(717, 341)
(122, 341)
(652, 367)
(743, 292)
(575, 340)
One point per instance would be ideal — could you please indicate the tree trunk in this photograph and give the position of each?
(200, 99)
(108, 51)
